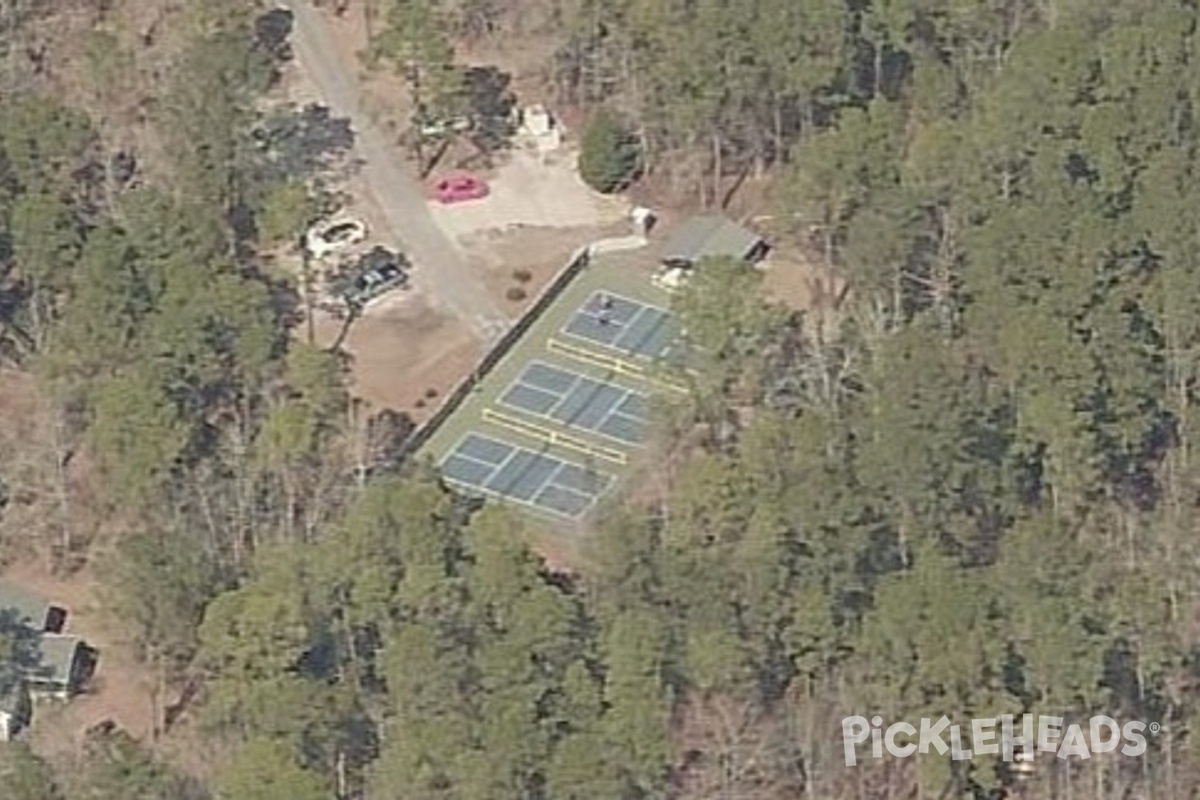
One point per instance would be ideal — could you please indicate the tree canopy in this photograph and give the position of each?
(608, 154)
(969, 493)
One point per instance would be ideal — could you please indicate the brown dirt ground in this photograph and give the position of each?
(18, 403)
(18, 410)
(793, 279)
(383, 93)
(148, 31)
(401, 348)
(560, 551)
(522, 49)
(541, 251)
(400, 351)
(121, 687)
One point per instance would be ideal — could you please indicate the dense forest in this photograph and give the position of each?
(967, 491)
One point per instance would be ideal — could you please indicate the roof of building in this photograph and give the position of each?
(54, 660)
(22, 608)
(710, 236)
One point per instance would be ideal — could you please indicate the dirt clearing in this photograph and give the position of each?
(401, 350)
(532, 189)
(120, 689)
(537, 254)
(797, 282)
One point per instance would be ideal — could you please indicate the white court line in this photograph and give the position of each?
(517, 381)
(613, 412)
(588, 500)
(472, 459)
(575, 374)
(470, 488)
(457, 453)
(582, 311)
(599, 473)
(507, 498)
(456, 450)
(551, 480)
(548, 482)
(516, 451)
(612, 323)
(616, 345)
(642, 308)
(578, 378)
(622, 297)
(614, 379)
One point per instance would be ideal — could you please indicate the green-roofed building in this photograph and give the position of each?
(712, 236)
(18, 607)
(46, 663)
(58, 667)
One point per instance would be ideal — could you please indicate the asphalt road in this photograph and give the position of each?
(441, 271)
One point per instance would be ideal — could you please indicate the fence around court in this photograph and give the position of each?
(578, 262)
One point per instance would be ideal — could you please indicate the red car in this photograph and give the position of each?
(459, 188)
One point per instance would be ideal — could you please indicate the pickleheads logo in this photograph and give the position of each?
(1013, 741)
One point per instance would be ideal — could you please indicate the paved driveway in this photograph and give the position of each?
(442, 272)
(529, 191)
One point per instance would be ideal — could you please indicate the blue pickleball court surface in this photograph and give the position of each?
(491, 466)
(578, 401)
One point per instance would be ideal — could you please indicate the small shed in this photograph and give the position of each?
(712, 236)
(643, 219)
(63, 665)
(539, 125)
(18, 607)
(16, 706)
(537, 120)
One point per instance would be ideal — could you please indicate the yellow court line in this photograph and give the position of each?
(608, 362)
(626, 368)
(553, 437)
(590, 356)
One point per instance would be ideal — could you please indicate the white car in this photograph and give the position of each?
(333, 236)
(670, 278)
(436, 128)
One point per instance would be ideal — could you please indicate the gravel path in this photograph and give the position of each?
(442, 272)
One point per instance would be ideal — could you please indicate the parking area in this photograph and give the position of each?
(530, 190)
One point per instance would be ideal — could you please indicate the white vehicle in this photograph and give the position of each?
(333, 236)
(670, 278)
(436, 128)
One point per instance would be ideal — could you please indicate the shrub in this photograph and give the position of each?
(522, 275)
(431, 393)
(516, 294)
(609, 155)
